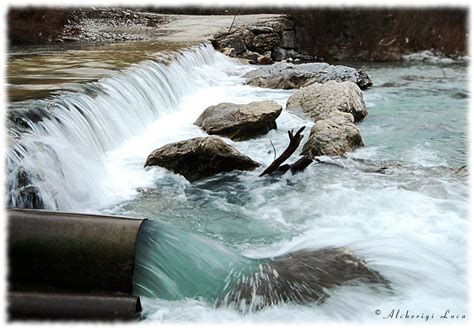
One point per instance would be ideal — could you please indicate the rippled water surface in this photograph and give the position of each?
(400, 202)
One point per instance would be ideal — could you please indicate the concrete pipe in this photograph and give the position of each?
(61, 306)
(71, 252)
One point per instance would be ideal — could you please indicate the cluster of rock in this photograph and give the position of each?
(330, 96)
(206, 156)
(266, 41)
(334, 107)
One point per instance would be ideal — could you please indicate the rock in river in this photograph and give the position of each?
(200, 157)
(333, 136)
(318, 100)
(290, 76)
(301, 277)
(240, 122)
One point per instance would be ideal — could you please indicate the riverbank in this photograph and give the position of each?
(364, 35)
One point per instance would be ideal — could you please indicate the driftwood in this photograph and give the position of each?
(298, 166)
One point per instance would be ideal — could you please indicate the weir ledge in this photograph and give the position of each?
(65, 266)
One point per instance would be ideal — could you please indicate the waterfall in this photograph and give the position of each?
(62, 157)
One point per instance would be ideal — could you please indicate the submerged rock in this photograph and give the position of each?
(301, 277)
(291, 76)
(240, 121)
(200, 157)
(26, 194)
(333, 136)
(318, 100)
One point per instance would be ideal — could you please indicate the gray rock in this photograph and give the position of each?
(265, 42)
(279, 54)
(288, 40)
(291, 76)
(198, 158)
(301, 277)
(319, 99)
(240, 122)
(333, 136)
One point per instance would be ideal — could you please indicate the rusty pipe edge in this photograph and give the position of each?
(37, 306)
(71, 252)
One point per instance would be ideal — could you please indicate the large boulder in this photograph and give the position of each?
(291, 76)
(200, 157)
(333, 136)
(304, 276)
(240, 121)
(318, 100)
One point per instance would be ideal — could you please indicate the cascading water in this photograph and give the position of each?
(65, 153)
(400, 203)
(174, 265)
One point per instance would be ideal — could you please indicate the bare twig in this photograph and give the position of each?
(274, 151)
(295, 141)
(233, 20)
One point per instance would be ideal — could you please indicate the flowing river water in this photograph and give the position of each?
(401, 202)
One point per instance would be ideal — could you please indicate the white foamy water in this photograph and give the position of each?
(409, 223)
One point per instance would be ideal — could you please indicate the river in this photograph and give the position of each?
(400, 202)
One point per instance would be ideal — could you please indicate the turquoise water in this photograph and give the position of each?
(400, 202)
(419, 110)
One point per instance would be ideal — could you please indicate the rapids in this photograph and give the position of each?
(399, 202)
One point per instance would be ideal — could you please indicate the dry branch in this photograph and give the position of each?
(295, 141)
